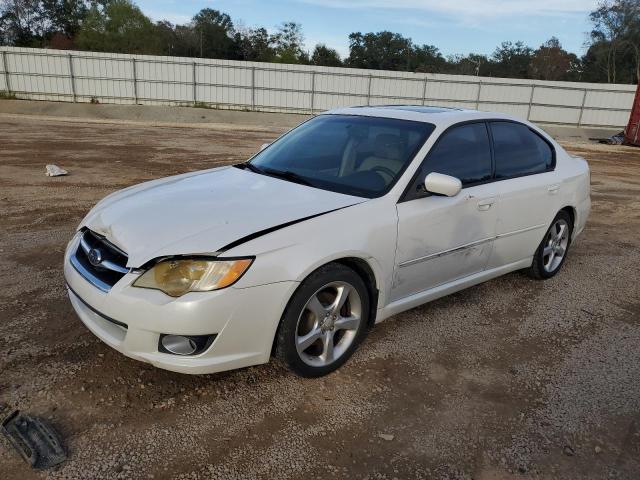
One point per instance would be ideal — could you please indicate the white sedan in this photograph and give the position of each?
(356, 215)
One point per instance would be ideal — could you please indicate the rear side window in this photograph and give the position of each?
(519, 151)
(463, 152)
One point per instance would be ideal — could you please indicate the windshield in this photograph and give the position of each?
(356, 155)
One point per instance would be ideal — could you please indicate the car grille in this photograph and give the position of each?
(101, 263)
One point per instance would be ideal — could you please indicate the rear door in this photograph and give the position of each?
(441, 239)
(527, 187)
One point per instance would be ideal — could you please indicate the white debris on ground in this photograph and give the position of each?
(55, 171)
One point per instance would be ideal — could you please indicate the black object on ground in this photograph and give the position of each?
(617, 139)
(35, 441)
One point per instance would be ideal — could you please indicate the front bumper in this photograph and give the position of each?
(131, 320)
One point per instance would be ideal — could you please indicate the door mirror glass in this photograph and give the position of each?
(442, 184)
(263, 146)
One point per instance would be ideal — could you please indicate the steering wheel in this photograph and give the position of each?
(384, 170)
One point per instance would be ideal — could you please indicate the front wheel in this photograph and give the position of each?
(324, 322)
(552, 251)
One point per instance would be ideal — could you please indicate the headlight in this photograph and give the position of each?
(177, 277)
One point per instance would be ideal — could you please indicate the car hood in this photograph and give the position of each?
(203, 212)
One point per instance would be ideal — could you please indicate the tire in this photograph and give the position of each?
(553, 249)
(310, 341)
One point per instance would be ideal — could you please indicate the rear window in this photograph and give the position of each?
(519, 151)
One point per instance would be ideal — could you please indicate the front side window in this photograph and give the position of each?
(356, 155)
(463, 152)
(519, 151)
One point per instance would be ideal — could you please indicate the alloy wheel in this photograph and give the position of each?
(328, 324)
(556, 244)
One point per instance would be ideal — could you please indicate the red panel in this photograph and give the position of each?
(632, 132)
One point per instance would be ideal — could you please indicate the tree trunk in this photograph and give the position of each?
(636, 50)
(613, 63)
(610, 65)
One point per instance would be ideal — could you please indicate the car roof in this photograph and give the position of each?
(439, 116)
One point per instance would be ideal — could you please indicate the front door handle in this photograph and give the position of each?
(484, 205)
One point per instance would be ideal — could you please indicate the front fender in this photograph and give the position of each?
(366, 231)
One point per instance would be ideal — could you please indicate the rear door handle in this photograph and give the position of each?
(553, 189)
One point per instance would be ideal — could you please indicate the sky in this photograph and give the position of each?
(454, 26)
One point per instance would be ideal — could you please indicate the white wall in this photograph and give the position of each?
(42, 74)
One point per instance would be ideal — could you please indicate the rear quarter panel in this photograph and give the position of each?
(575, 187)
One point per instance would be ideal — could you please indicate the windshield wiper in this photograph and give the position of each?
(285, 175)
(249, 166)
(288, 175)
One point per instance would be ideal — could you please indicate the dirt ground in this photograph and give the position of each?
(510, 379)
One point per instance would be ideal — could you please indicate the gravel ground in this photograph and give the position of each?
(513, 378)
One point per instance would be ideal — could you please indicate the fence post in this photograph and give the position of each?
(5, 68)
(584, 99)
(253, 89)
(533, 89)
(478, 95)
(135, 81)
(313, 89)
(424, 89)
(195, 94)
(72, 78)
(369, 92)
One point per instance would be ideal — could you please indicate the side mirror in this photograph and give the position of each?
(263, 146)
(442, 184)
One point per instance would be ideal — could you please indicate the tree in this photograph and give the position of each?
(289, 42)
(19, 25)
(472, 64)
(632, 36)
(615, 40)
(606, 36)
(64, 17)
(383, 50)
(325, 57)
(255, 45)
(427, 58)
(595, 66)
(629, 11)
(511, 60)
(552, 62)
(391, 51)
(166, 34)
(215, 31)
(119, 26)
(29, 23)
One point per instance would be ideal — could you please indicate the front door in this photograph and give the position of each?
(442, 239)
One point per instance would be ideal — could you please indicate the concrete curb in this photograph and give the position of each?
(189, 117)
(149, 115)
(106, 121)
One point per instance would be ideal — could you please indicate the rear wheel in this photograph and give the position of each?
(324, 322)
(552, 251)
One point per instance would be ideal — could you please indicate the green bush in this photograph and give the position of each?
(5, 95)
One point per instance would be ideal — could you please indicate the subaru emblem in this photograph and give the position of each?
(95, 257)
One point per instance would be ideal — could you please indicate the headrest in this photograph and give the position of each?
(389, 146)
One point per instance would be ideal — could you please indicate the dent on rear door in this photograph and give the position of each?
(526, 208)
